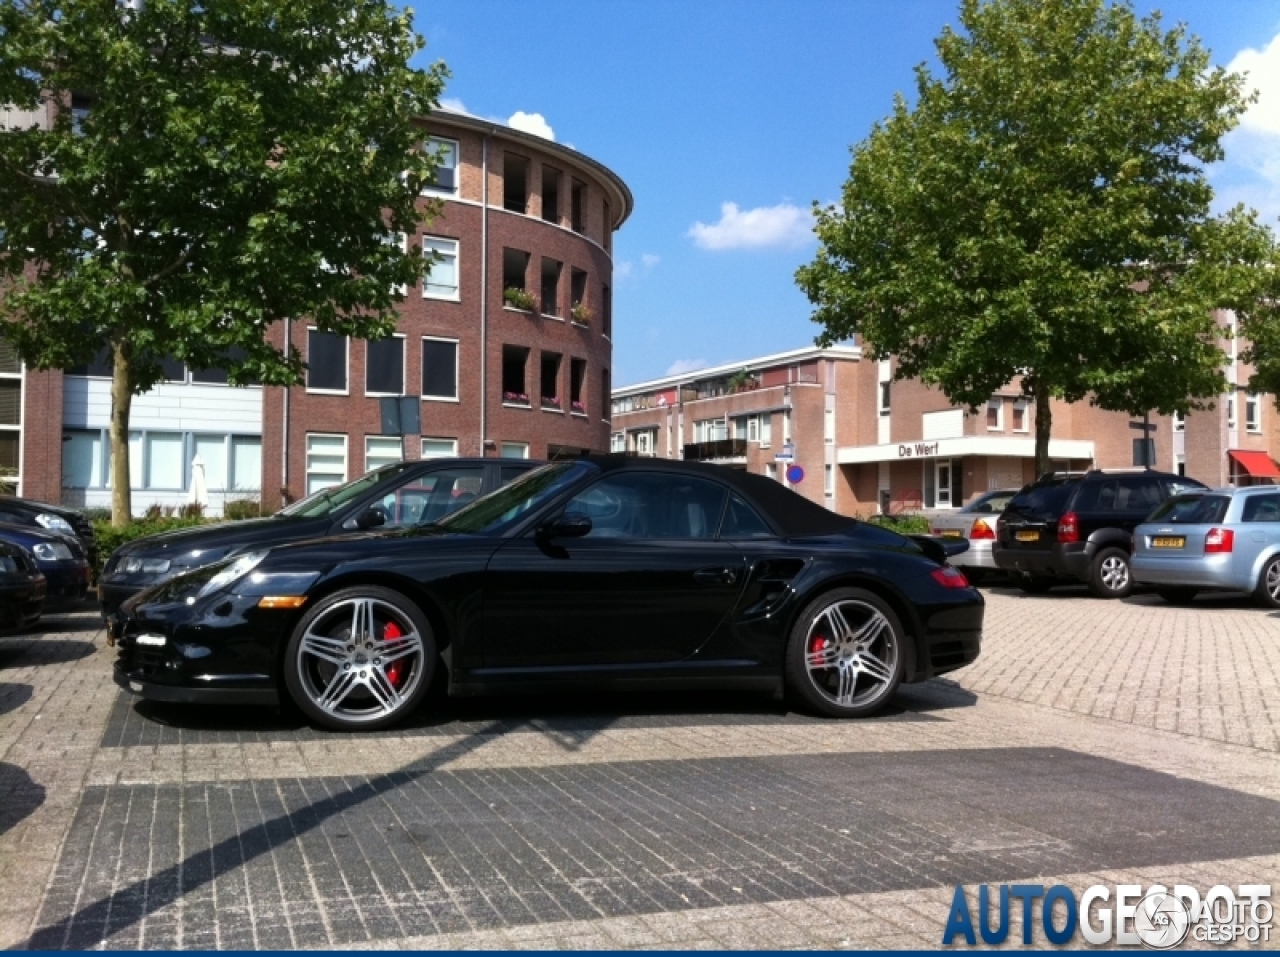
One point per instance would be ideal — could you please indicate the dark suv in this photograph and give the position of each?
(1067, 528)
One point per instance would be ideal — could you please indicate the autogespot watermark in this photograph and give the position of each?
(1126, 914)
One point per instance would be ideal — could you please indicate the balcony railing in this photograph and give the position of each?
(716, 449)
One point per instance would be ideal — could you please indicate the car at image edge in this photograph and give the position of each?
(1226, 539)
(606, 572)
(975, 522)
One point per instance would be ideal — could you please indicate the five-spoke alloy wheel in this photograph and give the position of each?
(845, 655)
(362, 659)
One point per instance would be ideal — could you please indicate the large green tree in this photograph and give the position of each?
(212, 167)
(1041, 215)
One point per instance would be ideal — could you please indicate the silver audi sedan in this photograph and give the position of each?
(976, 522)
(1220, 539)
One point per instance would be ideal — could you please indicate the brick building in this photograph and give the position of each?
(473, 369)
(866, 443)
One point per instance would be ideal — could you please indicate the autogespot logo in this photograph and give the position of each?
(1156, 917)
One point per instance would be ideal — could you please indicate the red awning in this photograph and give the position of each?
(1257, 464)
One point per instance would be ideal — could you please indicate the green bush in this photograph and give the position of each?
(903, 524)
(110, 538)
(237, 510)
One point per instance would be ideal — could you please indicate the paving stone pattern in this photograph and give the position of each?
(298, 863)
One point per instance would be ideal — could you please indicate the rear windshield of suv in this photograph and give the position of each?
(1192, 510)
(1042, 501)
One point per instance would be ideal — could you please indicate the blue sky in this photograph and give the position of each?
(728, 118)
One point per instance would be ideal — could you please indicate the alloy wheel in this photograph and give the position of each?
(361, 660)
(1114, 573)
(851, 653)
(1272, 584)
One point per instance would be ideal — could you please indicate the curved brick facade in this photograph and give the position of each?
(570, 224)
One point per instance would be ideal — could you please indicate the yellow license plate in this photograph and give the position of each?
(950, 533)
(1027, 536)
(1168, 541)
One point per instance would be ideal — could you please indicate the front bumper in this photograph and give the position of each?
(138, 681)
(112, 595)
(21, 605)
(66, 580)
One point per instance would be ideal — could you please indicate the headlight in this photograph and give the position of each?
(55, 523)
(52, 552)
(145, 566)
(233, 572)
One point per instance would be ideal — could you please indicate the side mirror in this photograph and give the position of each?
(371, 518)
(568, 525)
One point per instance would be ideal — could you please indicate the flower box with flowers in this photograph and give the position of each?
(578, 407)
(515, 398)
(551, 402)
(517, 298)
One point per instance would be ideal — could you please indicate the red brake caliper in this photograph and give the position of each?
(395, 670)
(817, 644)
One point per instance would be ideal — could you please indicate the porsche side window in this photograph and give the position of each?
(654, 505)
(741, 521)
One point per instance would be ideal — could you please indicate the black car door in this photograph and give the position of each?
(649, 584)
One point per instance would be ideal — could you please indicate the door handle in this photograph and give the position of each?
(715, 576)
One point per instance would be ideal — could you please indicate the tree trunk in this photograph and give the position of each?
(121, 401)
(1044, 425)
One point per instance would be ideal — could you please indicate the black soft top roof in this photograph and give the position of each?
(791, 514)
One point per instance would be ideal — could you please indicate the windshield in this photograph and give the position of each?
(329, 500)
(500, 508)
(1192, 510)
(1042, 502)
(990, 504)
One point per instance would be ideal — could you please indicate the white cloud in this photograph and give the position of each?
(1263, 74)
(681, 366)
(1251, 174)
(626, 269)
(781, 225)
(649, 260)
(534, 123)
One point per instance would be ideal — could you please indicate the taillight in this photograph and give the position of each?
(1069, 528)
(981, 532)
(1219, 540)
(948, 576)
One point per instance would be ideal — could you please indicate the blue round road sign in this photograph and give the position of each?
(795, 474)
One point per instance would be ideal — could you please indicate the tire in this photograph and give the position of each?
(351, 685)
(1178, 596)
(1267, 593)
(1110, 577)
(1033, 586)
(852, 674)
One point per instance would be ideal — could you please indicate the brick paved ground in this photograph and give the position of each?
(1094, 742)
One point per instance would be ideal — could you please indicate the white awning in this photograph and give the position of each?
(1014, 447)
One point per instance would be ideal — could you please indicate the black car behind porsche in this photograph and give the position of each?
(606, 572)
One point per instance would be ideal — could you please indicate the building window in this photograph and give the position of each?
(1179, 422)
(549, 381)
(578, 201)
(326, 362)
(753, 428)
(618, 442)
(577, 381)
(445, 179)
(439, 448)
(608, 231)
(1252, 413)
(442, 268)
(710, 430)
(644, 442)
(515, 270)
(326, 461)
(515, 450)
(162, 461)
(883, 402)
(384, 366)
(577, 288)
(1231, 411)
(1020, 415)
(515, 361)
(551, 194)
(995, 415)
(515, 183)
(828, 480)
(605, 391)
(218, 375)
(766, 430)
(380, 450)
(550, 305)
(440, 369)
(829, 425)
(606, 311)
(83, 460)
(771, 470)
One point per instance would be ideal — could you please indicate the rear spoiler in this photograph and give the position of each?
(940, 549)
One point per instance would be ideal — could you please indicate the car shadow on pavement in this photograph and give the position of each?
(29, 650)
(19, 795)
(938, 694)
(12, 697)
(69, 622)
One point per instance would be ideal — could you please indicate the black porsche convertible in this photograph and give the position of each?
(609, 572)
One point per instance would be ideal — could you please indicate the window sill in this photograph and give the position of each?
(440, 398)
(516, 405)
(552, 316)
(580, 415)
(523, 312)
(553, 408)
(439, 297)
(327, 392)
(580, 325)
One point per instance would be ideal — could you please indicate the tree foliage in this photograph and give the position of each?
(1041, 215)
(212, 168)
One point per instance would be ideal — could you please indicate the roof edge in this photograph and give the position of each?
(728, 368)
